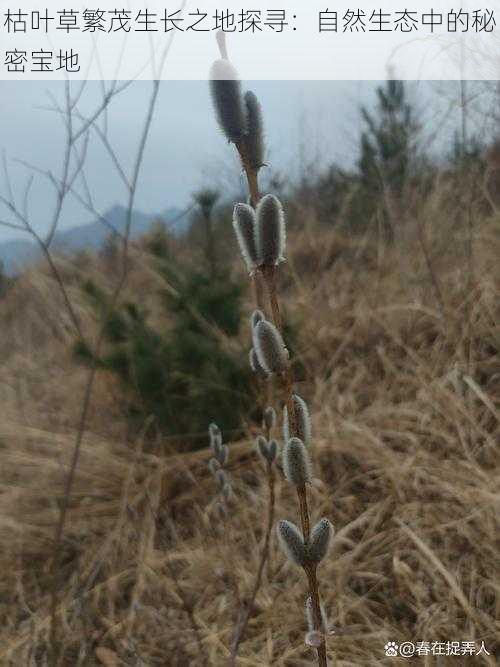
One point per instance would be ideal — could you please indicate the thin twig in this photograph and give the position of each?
(249, 604)
(56, 556)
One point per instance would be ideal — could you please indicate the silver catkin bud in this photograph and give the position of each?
(272, 450)
(269, 418)
(227, 491)
(291, 542)
(270, 233)
(255, 365)
(268, 450)
(225, 88)
(214, 430)
(213, 466)
(271, 351)
(254, 140)
(244, 228)
(320, 540)
(222, 455)
(313, 638)
(221, 478)
(256, 317)
(216, 444)
(262, 447)
(302, 419)
(310, 616)
(296, 463)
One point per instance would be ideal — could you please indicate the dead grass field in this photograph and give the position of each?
(405, 400)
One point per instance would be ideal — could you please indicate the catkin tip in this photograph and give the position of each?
(213, 429)
(256, 317)
(225, 88)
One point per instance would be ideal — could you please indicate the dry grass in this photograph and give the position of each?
(406, 437)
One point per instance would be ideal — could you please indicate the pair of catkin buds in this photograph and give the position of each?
(300, 552)
(261, 233)
(239, 116)
(298, 471)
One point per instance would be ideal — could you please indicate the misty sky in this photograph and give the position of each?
(304, 119)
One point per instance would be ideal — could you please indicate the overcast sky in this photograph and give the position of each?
(185, 150)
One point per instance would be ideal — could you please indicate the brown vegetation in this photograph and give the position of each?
(405, 397)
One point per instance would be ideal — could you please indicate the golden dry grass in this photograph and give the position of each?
(406, 438)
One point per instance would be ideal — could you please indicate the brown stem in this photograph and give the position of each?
(304, 513)
(252, 174)
(257, 288)
(269, 274)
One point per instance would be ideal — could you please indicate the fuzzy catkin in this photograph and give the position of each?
(268, 450)
(269, 418)
(270, 232)
(222, 454)
(214, 430)
(310, 616)
(296, 463)
(256, 317)
(255, 365)
(272, 451)
(227, 491)
(291, 542)
(254, 140)
(262, 448)
(302, 420)
(217, 447)
(213, 466)
(225, 88)
(244, 228)
(320, 540)
(221, 478)
(271, 351)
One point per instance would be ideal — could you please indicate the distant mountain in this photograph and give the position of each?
(19, 253)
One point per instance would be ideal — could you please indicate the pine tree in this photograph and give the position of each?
(387, 153)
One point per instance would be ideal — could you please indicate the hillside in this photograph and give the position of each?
(398, 347)
(20, 253)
